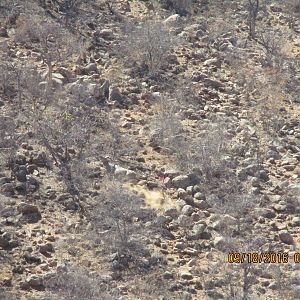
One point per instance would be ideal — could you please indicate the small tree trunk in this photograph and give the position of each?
(253, 12)
(50, 72)
(245, 282)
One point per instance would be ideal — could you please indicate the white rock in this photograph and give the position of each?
(172, 20)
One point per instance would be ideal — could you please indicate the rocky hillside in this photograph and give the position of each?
(149, 149)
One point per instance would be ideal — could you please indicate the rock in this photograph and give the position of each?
(255, 182)
(131, 174)
(32, 258)
(189, 190)
(214, 62)
(71, 204)
(7, 211)
(201, 204)
(168, 182)
(233, 40)
(120, 172)
(3, 32)
(39, 159)
(104, 89)
(4, 180)
(222, 221)
(93, 92)
(171, 212)
(187, 210)
(182, 193)
(186, 276)
(26, 208)
(196, 189)
(35, 282)
(46, 248)
(241, 174)
(7, 188)
(295, 188)
(21, 174)
(180, 245)
(275, 8)
(172, 20)
(20, 159)
(286, 237)
(213, 83)
(30, 213)
(21, 188)
(189, 200)
(180, 203)
(58, 79)
(171, 173)
(4, 241)
(92, 67)
(62, 197)
(115, 95)
(67, 75)
(199, 196)
(280, 207)
(263, 175)
(198, 229)
(205, 235)
(219, 243)
(296, 221)
(213, 294)
(266, 213)
(106, 34)
(224, 46)
(168, 275)
(181, 181)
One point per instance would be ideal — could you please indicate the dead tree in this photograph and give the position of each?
(253, 9)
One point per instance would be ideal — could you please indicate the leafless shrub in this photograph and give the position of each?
(217, 27)
(8, 140)
(285, 285)
(230, 200)
(65, 132)
(149, 287)
(167, 125)
(148, 46)
(4, 295)
(292, 8)
(77, 284)
(8, 76)
(240, 277)
(273, 42)
(208, 152)
(181, 7)
(50, 39)
(116, 219)
(69, 9)
(11, 75)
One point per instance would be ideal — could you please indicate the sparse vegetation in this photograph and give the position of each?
(148, 45)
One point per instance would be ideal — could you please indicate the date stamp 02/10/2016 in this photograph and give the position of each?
(259, 258)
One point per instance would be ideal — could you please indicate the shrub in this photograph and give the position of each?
(117, 220)
(76, 284)
(181, 7)
(49, 38)
(8, 140)
(148, 46)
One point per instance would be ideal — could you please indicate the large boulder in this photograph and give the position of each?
(183, 181)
